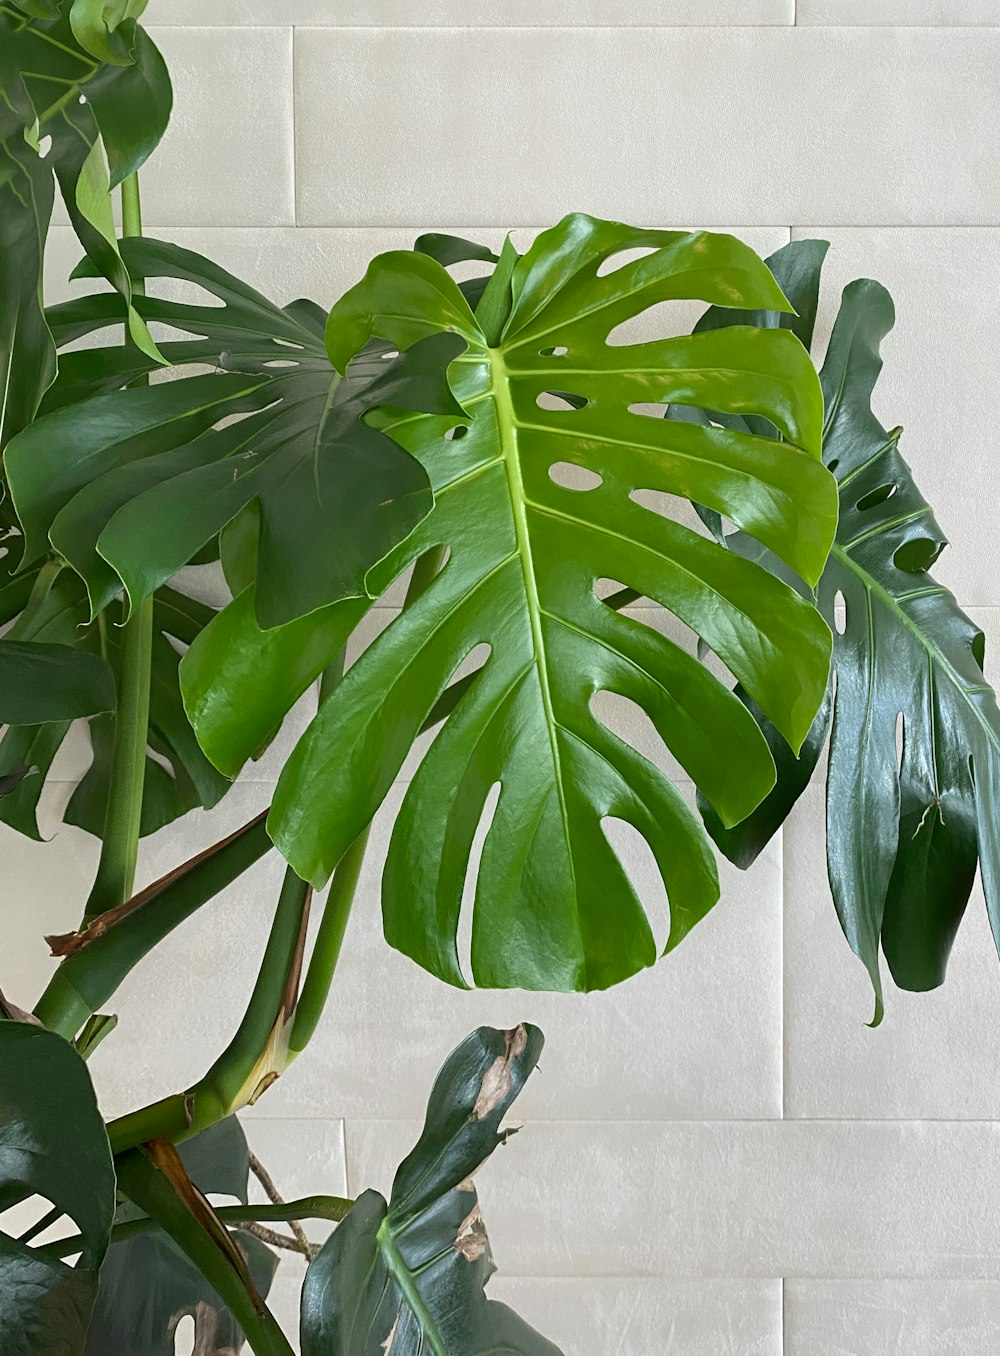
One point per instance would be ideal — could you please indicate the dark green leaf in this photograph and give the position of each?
(53, 1146)
(903, 836)
(132, 106)
(41, 682)
(131, 485)
(407, 1278)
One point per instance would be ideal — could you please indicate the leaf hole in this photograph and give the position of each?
(917, 556)
(876, 497)
(639, 863)
(648, 409)
(617, 259)
(463, 938)
(665, 505)
(560, 401)
(35, 1221)
(840, 613)
(627, 720)
(454, 434)
(659, 321)
(44, 146)
(559, 351)
(281, 362)
(572, 477)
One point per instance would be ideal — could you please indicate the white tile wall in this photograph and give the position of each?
(719, 1157)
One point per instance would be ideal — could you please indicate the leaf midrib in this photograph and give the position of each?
(507, 424)
(933, 651)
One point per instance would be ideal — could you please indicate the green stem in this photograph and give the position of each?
(151, 1191)
(123, 818)
(309, 1207)
(257, 1053)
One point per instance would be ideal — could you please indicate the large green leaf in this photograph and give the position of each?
(148, 1285)
(407, 1278)
(554, 908)
(53, 1146)
(903, 834)
(130, 485)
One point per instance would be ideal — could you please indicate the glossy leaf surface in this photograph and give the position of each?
(53, 1145)
(527, 554)
(407, 1277)
(903, 835)
(131, 484)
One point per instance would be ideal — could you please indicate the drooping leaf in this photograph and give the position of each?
(903, 836)
(42, 682)
(148, 1285)
(408, 1277)
(527, 554)
(53, 1146)
(130, 485)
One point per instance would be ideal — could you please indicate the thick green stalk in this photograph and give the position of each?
(120, 843)
(257, 1053)
(97, 960)
(151, 1191)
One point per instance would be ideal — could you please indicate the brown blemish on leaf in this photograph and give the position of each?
(497, 1079)
(263, 1086)
(15, 1014)
(164, 1156)
(68, 943)
(471, 1240)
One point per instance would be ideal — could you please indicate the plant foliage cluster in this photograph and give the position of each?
(508, 452)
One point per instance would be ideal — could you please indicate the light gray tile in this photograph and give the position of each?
(478, 13)
(888, 125)
(697, 1035)
(940, 365)
(893, 1318)
(737, 1199)
(598, 1316)
(227, 155)
(940, 13)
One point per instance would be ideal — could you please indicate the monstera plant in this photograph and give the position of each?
(526, 452)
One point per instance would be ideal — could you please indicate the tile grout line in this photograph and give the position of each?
(343, 1150)
(781, 1319)
(295, 134)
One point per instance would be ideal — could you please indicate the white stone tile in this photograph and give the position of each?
(936, 1054)
(697, 1035)
(771, 124)
(939, 13)
(728, 1198)
(598, 1316)
(477, 13)
(893, 1318)
(940, 368)
(227, 155)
